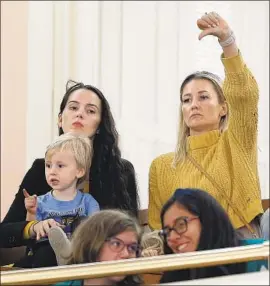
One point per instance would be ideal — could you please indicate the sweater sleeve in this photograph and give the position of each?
(242, 94)
(154, 205)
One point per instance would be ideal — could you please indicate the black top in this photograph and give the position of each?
(35, 183)
(11, 234)
(204, 272)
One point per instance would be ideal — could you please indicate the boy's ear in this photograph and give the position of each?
(80, 173)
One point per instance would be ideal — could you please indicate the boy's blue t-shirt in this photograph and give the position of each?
(65, 212)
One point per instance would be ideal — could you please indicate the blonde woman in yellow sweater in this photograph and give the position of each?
(217, 141)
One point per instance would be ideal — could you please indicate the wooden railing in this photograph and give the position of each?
(266, 204)
(52, 275)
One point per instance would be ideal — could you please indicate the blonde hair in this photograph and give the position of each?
(79, 145)
(183, 131)
(152, 240)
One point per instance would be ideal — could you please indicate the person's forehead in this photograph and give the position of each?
(127, 236)
(57, 154)
(174, 212)
(84, 96)
(199, 83)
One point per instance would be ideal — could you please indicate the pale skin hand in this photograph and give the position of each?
(30, 203)
(42, 228)
(213, 24)
(149, 252)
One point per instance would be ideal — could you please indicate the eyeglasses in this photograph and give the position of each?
(117, 245)
(180, 226)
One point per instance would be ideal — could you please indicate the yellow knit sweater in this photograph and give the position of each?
(229, 157)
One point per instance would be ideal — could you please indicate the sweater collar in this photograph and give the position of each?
(204, 140)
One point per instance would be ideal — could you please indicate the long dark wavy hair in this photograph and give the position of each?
(107, 182)
(217, 229)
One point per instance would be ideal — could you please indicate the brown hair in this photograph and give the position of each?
(90, 236)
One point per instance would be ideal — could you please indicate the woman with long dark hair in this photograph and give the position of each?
(192, 220)
(111, 181)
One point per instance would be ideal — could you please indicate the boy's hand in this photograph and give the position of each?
(42, 228)
(30, 203)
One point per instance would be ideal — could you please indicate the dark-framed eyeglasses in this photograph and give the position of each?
(117, 245)
(180, 226)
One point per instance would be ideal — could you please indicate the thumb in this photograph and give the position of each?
(26, 195)
(206, 32)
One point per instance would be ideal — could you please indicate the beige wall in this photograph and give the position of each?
(14, 17)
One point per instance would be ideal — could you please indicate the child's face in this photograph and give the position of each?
(61, 170)
(122, 246)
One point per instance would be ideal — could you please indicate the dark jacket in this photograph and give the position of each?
(11, 234)
(35, 183)
(204, 272)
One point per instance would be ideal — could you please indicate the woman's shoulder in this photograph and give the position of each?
(163, 159)
(127, 165)
(39, 163)
(35, 181)
(161, 164)
(37, 171)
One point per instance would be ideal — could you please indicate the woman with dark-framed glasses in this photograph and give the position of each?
(193, 220)
(104, 236)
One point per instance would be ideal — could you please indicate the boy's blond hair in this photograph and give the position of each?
(79, 145)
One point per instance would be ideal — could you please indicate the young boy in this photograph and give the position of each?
(67, 164)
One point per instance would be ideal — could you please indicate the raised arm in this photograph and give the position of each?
(213, 24)
(240, 87)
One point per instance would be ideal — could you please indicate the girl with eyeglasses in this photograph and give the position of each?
(192, 220)
(104, 236)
